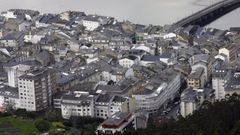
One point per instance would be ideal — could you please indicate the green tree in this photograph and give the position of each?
(21, 112)
(42, 125)
(236, 129)
(53, 116)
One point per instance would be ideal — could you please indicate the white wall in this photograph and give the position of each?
(218, 86)
(14, 72)
(33, 38)
(90, 25)
(187, 108)
(225, 52)
(127, 63)
(9, 14)
(75, 110)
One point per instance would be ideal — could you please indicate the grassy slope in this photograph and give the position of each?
(24, 127)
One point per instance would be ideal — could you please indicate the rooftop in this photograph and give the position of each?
(200, 57)
(105, 98)
(234, 82)
(7, 91)
(193, 95)
(119, 99)
(13, 36)
(79, 98)
(116, 120)
(34, 74)
(150, 58)
(197, 74)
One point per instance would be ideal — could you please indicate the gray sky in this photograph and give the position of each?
(139, 11)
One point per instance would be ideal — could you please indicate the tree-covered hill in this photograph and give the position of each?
(219, 118)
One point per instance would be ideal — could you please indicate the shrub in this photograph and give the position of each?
(42, 125)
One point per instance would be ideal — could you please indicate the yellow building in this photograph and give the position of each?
(196, 79)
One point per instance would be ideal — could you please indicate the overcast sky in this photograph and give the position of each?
(138, 11)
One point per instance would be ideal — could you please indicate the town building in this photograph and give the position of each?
(219, 79)
(196, 79)
(129, 61)
(106, 105)
(9, 98)
(202, 60)
(117, 123)
(77, 104)
(192, 99)
(14, 71)
(230, 51)
(13, 39)
(35, 89)
(157, 91)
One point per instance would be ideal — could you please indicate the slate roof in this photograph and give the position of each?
(7, 91)
(117, 119)
(105, 98)
(150, 58)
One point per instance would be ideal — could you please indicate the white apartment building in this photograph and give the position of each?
(9, 14)
(122, 104)
(77, 104)
(14, 71)
(128, 61)
(8, 97)
(35, 89)
(225, 82)
(158, 90)
(90, 24)
(219, 79)
(230, 51)
(107, 105)
(191, 99)
(102, 106)
(115, 74)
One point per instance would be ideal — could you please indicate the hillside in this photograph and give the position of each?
(219, 118)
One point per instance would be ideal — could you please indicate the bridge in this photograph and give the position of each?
(209, 14)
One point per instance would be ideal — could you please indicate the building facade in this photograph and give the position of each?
(117, 123)
(191, 99)
(197, 79)
(35, 89)
(14, 72)
(158, 92)
(77, 104)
